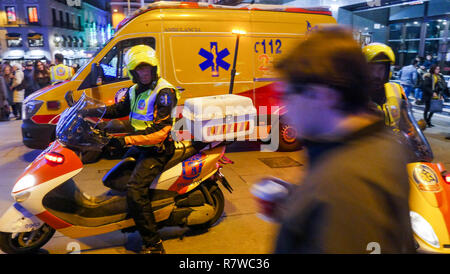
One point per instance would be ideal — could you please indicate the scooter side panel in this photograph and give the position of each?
(17, 219)
(34, 202)
(48, 176)
(82, 231)
(196, 169)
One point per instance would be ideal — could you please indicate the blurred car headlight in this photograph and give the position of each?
(30, 108)
(423, 229)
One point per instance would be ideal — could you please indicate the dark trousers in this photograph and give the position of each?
(427, 114)
(149, 165)
(17, 109)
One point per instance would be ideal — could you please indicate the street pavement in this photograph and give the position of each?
(239, 231)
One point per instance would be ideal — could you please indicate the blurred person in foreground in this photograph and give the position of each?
(355, 191)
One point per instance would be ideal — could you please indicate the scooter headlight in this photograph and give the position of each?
(25, 182)
(423, 229)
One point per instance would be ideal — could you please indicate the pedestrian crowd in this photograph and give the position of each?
(424, 81)
(19, 80)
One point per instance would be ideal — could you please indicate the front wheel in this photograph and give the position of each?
(25, 242)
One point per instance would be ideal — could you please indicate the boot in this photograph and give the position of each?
(157, 248)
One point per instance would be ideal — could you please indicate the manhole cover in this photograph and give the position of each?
(280, 162)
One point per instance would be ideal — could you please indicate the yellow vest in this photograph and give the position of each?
(394, 96)
(60, 73)
(142, 106)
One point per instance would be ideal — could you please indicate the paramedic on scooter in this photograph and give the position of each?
(149, 104)
(387, 97)
(380, 57)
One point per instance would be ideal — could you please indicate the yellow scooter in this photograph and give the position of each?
(429, 187)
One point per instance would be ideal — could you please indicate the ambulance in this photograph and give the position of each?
(203, 49)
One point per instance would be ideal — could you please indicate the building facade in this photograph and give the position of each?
(410, 28)
(38, 29)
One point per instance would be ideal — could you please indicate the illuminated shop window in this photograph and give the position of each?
(13, 40)
(35, 40)
(32, 15)
(11, 15)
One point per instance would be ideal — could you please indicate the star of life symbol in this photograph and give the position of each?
(214, 59)
(60, 71)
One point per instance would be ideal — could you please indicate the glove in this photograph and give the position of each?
(116, 143)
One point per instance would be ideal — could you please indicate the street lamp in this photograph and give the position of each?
(238, 33)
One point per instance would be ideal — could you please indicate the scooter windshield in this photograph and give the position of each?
(76, 131)
(411, 134)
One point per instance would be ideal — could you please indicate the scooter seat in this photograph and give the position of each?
(183, 150)
(117, 178)
(118, 170)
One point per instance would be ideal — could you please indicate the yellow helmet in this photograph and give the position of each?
(378, 52)
(141, 54)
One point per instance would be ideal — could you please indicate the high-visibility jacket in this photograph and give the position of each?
(143, 106)
(394, 96)
(60, 73)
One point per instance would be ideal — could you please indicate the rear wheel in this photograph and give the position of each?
(25, 242)
(218, 204)
(287, 138)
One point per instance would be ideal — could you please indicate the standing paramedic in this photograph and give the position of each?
(149, 104)
(60, 72)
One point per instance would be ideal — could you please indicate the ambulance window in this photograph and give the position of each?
(109, 65)
(113, 65)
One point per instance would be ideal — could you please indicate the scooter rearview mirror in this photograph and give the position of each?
(69, 98)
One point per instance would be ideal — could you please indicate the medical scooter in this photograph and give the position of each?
(47, 198)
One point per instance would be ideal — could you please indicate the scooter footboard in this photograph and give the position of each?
(17, 219)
